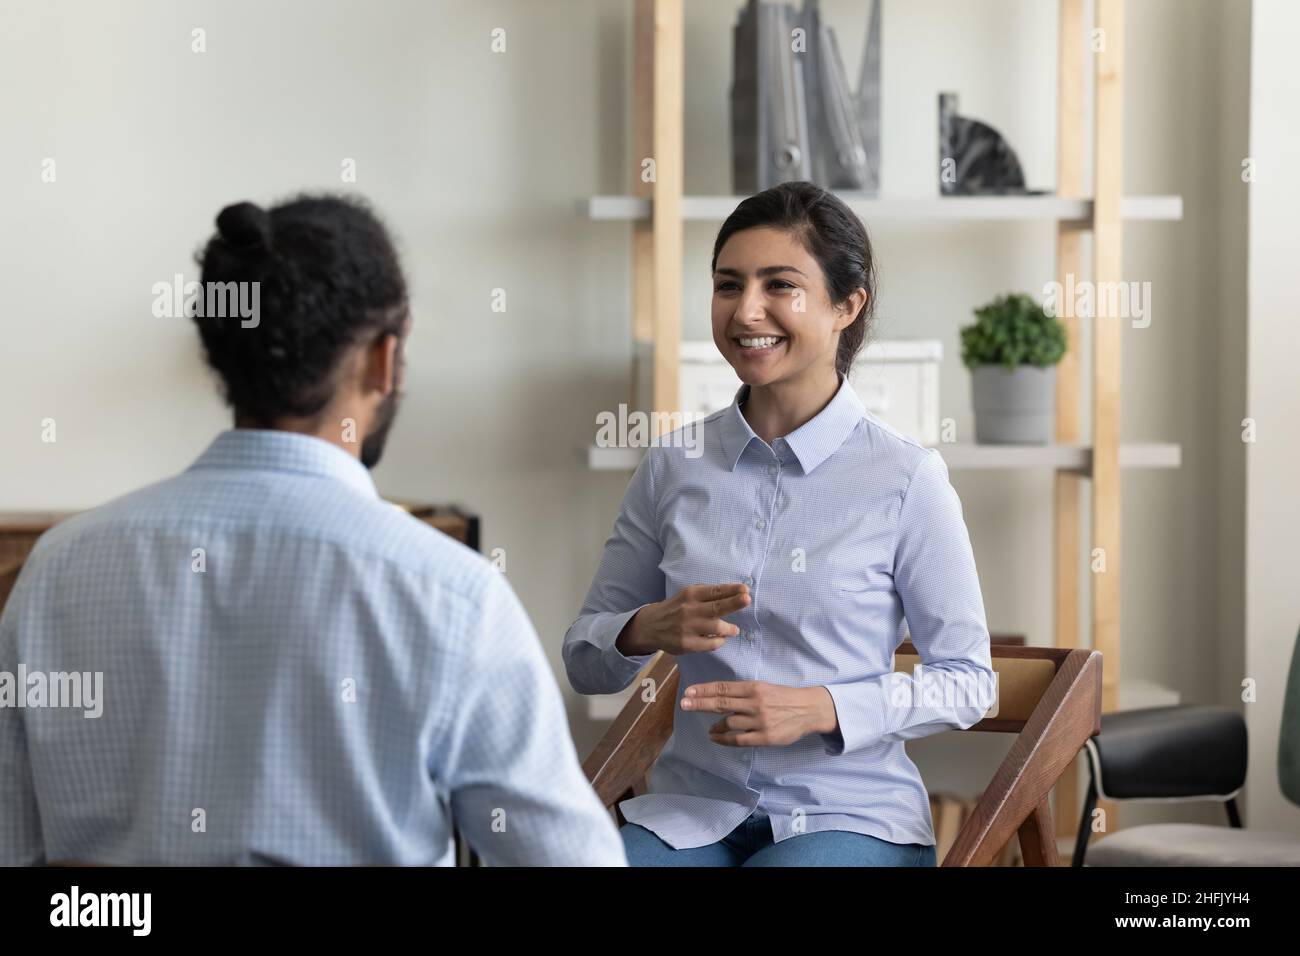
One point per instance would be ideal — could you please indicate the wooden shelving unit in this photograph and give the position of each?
(657, 210)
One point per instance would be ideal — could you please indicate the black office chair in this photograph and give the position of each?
(1180, 753)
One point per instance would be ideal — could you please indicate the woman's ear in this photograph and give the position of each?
(848, 310)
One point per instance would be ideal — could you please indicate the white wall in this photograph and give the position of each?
(474, 158)
(1273, 400)
(477, 159)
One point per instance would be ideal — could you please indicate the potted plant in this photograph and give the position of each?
(1012, 350)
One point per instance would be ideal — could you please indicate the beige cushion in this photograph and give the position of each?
(1194, 844)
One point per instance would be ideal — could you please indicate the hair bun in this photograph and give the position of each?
(245, 225)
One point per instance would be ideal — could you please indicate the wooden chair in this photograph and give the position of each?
(1049, 697)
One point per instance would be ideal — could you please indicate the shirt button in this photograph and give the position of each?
(771, 469)
(749, 580)
(760, 524)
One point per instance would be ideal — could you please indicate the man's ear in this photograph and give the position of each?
(380, 371)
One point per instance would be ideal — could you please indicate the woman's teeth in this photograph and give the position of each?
(766, 341)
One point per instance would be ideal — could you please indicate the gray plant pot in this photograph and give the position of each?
(1014, 407)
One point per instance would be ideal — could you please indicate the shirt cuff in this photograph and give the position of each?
(601, 631)
(859, 713)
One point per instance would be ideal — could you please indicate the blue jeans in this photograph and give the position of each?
(750, 844)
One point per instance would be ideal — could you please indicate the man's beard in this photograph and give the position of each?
(372, 446)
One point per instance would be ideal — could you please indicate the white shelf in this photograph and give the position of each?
(613, 459)
(971, 457)
(1064, 457)
(974, 208)
(1133, 695)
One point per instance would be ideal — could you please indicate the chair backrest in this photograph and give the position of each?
(1049, 697)
(1288, 740)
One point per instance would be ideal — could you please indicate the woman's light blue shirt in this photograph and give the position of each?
(842, 529)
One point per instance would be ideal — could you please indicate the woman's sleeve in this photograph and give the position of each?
(935, 577)
(628, 579)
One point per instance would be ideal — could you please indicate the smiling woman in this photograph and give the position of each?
(817, 229)
(778, 565)
(793, 294)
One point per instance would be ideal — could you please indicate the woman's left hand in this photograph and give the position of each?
(762, 714)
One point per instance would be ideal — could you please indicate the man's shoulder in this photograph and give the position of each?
(327, 514)
(117, 514)
(393, 534)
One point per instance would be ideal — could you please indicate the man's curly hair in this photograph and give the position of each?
(329, 279)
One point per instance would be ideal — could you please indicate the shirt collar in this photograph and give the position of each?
(265, 449)
(812, 442)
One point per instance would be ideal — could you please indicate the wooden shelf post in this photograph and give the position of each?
(666, 105)
(1107, 233)
(1107, 239)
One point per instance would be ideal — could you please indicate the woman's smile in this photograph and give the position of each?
(757, 347)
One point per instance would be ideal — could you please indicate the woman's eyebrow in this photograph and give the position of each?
(765, 271)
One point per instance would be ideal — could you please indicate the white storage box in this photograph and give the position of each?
(898, 382)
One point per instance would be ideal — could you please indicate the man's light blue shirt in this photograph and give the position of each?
(294, 671)
(848, 535)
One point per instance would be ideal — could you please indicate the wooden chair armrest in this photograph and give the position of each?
(621, 761)
(1015, 802)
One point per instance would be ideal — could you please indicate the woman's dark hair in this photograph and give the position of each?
(831, 233)
(328, 278)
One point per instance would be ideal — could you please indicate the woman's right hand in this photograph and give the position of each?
(687, 622)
